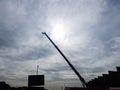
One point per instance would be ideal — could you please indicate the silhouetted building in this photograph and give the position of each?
(3, 85)
(75, 88)
(36, 82)
(80, 88)
(112, 79)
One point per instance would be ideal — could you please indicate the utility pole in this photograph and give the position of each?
(72, 67)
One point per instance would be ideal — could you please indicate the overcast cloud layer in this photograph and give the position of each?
(91, 39)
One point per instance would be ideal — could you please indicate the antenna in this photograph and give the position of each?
(37, 69)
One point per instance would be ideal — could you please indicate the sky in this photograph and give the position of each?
(86, 31)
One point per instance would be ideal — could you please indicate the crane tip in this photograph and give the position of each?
(43, 32)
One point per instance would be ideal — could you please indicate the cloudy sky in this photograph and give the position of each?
(87, 31)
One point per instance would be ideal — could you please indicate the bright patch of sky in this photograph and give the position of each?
(87, 31)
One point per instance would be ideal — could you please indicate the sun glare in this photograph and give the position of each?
(58, 30)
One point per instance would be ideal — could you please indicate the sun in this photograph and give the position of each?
(58, 30)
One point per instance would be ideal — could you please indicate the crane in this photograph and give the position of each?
(72, 67)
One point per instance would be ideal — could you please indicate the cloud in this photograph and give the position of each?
(91, 38)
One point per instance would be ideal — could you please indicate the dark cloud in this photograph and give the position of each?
(35, 53)
(7, 38)
(98, 70)
(113, 3)
(109, 23)
(91, 41)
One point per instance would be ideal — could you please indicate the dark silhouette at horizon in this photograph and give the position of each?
(112, 79)
(4, 85)
(109, 81)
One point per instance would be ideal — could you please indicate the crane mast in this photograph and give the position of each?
(72, 67)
